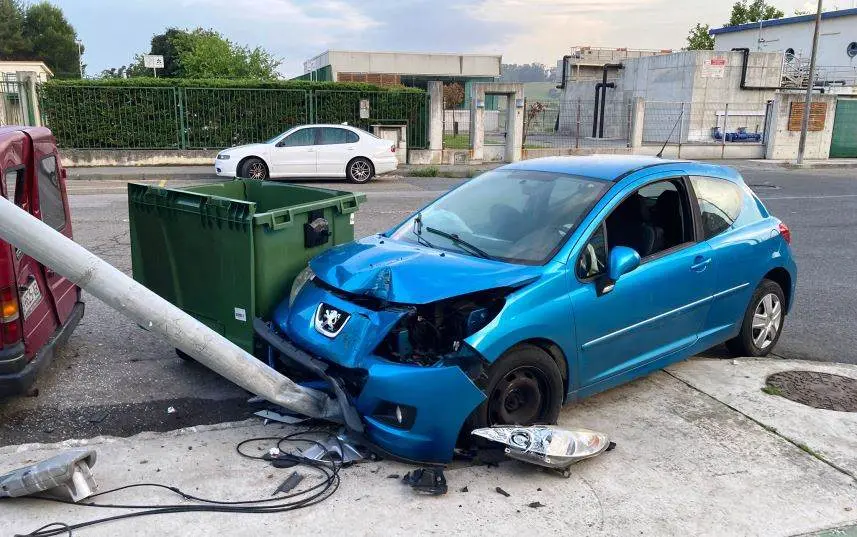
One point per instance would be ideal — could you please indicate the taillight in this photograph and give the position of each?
(785, 232)
(10, 323)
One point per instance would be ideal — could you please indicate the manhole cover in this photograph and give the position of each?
(818, 390)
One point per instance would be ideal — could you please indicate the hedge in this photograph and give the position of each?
(149, 113)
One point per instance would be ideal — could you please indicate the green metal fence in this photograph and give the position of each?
(112, 117)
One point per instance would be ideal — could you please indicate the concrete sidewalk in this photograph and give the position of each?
(700, 451)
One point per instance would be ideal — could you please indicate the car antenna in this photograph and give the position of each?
(661, 152)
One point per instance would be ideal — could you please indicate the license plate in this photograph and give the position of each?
(30, 298)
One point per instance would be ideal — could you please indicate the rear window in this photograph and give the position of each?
(50, 196)
(331, 135)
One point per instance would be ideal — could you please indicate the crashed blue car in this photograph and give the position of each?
(534, 285)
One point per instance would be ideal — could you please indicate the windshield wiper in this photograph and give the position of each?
(418, 230)
(459, 241)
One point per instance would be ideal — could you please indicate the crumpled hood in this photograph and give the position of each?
(408, 273)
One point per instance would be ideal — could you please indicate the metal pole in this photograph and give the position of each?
(723, 139)
(680, 129)
(807, 101)
(114, 288)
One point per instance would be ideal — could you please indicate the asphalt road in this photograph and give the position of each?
(114, 378)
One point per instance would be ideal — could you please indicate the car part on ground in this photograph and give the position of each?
(147, 309)
(67, 476)
(546, 445)
(338, 448)
(429, 480)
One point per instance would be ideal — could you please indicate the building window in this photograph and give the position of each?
(852, 49)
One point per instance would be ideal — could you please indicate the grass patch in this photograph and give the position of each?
(772, 390)
(453, 141)
(809, 450)
(431, 171)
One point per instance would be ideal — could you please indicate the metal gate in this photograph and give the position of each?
(843, 143)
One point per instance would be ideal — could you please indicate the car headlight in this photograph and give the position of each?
(305, 276)
(222, 156)
(546, 445)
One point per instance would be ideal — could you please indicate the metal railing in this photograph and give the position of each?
(704, 122)
(569, 124)
(122, 117)
(12, 106)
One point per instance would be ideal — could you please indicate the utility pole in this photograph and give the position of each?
(807, 101)
(80, 56)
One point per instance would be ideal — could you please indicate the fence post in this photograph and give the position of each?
(182, 120)
(638, 116)
(725, 123)
(680, 129)
(310, 96)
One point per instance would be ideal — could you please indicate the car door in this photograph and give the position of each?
(335, 148)
(295, 155)
(35, 308)
(656, 309)
(52, 203)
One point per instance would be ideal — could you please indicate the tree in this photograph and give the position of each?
(453, 95)
(13, 44)
(699, 39)
(531, 113)
(204, 53)
(53, 39)
(755, 11)
(528, 72)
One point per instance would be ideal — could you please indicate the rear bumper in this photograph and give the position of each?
(386, 165)
(17, 374)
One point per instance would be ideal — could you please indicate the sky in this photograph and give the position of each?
(522, 31)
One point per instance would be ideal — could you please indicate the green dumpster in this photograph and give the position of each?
(228, 252)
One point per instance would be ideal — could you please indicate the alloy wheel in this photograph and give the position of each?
(767, 318)
(360, 170)
(256, 170)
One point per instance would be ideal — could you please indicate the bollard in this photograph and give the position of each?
(130, 298)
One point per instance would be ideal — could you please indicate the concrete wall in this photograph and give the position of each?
(405, 63)
(834, 36)
(783, 143)
(136, 157)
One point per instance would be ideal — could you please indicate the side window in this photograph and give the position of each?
(652, 219)
(299, 138)
(719, 203)
(331, 136)
(50, 196)
(14, 180)
(351, 137)
(593, 258)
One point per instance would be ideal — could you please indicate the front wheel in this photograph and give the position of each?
(762, 323)
(253, 168)
(360, 170)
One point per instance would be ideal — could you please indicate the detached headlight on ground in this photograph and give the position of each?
(305, 276)
(547, 445)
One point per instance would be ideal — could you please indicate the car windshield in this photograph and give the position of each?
(519, 216)
(277, 137)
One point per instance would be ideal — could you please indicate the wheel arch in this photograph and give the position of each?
(367, 159)
(782, 278)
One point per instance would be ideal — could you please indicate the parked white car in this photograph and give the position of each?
(311, 151)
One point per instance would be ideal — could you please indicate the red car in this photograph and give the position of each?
(38, 308)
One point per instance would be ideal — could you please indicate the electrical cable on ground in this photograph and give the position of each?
(299, 499)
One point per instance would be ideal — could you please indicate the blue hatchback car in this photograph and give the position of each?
(536, 284)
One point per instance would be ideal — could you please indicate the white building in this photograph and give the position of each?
(836, 58)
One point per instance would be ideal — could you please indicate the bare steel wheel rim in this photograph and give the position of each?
(360, 170)
(257, 170)
(767, 318)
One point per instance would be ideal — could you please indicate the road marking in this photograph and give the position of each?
(811, 197)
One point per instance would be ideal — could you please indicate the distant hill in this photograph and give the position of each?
(541, 91)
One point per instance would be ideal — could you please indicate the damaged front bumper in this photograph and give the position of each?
(414, 412)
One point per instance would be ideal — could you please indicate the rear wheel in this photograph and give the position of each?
(360, 170)
(524, 387)
(762, 323)
(253, 168)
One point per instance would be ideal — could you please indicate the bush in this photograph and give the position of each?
(431, 171)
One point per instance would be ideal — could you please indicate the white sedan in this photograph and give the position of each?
(311, 151)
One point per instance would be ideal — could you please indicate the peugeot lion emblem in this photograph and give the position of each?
(330, 321)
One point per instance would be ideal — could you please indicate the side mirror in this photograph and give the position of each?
(622, 261)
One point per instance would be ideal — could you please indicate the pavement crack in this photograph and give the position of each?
(768, 428)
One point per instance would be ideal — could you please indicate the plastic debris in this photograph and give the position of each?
(171, 410)
(536, 505)
(547, 445)
(429, 481)
(333, 448)
(291, 482)
(499, 490)
(67, 476)
(270, 415)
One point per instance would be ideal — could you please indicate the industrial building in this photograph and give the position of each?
(791, 37)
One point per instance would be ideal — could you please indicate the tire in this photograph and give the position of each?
(253, 168)
(767, 310)
(184, 356)
(360, 170)
(519, 375)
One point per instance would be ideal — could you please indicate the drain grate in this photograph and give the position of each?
(818, 390)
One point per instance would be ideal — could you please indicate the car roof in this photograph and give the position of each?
(615, 167)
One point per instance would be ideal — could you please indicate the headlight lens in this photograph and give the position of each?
(222, 156)
(305, 276)
(546, 445)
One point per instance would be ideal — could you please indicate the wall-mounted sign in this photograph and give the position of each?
(364, 108)
(714, 68)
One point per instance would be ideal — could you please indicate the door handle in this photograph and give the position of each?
(700, 263)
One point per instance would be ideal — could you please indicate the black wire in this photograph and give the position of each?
(327, 487)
